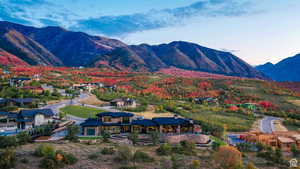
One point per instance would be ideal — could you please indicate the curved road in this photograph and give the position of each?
(266, 124)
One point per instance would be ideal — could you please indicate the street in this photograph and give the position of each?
(266, 124)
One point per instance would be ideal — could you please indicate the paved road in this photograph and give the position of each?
(55, 107)
(266, 124)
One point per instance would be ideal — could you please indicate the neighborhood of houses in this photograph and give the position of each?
(126, 122)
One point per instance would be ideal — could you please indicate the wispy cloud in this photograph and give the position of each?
(44, 12)
(124, 24)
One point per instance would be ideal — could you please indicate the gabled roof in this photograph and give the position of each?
(115, 114)
(170, 121)
(144, 122)
(91, 122)
(31, 113)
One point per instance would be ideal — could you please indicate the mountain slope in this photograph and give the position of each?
(182, 55)
(56, 46)
(285, 70)
(7, 59)
(53, 45)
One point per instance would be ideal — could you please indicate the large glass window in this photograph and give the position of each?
(107, 119)
(91, 132)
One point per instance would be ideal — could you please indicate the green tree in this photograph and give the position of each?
(134, 137)
(72, 132)
(155, 136)
(295, 150)
(23, 138)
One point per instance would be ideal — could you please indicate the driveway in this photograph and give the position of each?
(266, 124)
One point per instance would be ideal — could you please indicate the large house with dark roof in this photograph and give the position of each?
(123, 122)
(25, 119)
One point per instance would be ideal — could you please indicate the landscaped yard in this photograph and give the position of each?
(81, 111)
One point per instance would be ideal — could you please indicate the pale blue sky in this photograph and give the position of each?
(257, 31)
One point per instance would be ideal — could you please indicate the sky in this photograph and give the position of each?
(258, 31)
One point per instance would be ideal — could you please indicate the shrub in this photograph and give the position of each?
(133, 137)
(124, 154)
(72, 132)
(69, 159)
(93, 156)
(7, 158)
(23, 138)
(164, 149)
(155, 136)
(195, 164)
(24, 160)
(105, 136)
(140, 156)
(8, 141)
(188, 148)
(107, 150)
(228, 157)
(45, 150)
(48, 163)
(295, 151)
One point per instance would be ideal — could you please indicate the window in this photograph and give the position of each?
(107, 119)
(126, 120)
(91, 132)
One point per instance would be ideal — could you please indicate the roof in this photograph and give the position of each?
(90, 122)
(4, 113)
(170, 121)
(144, 122)
(24, 120)
(115, 114)
(2, 100)
(31, 113)
(20, 78)
(285, 140)
(22, 100)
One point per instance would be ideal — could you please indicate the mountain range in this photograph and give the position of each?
(286, 70)
(55, 46)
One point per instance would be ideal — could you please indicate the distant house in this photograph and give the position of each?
(209, 100)
(123, 122)
(250, 106)
(34, 89)
(8, 121)
(32, 118)
(123, 102)
(19, 81)
(21, 102)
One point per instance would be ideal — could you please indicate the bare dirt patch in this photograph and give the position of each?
(92, 100)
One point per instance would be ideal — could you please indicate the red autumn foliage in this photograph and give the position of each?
(267, 105)
(233, 108)
(204, 85)
(193, 74)
(8, 59)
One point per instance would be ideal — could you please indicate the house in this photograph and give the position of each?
(124, 102)
(173, 124)
(34, 89)
(8, 121)
(123, 122)
(21, 102)
(282, 140)
(208, 100)
(30, 118)
(19, 81)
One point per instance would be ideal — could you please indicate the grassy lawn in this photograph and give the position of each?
(89, 138)
(80, 111)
